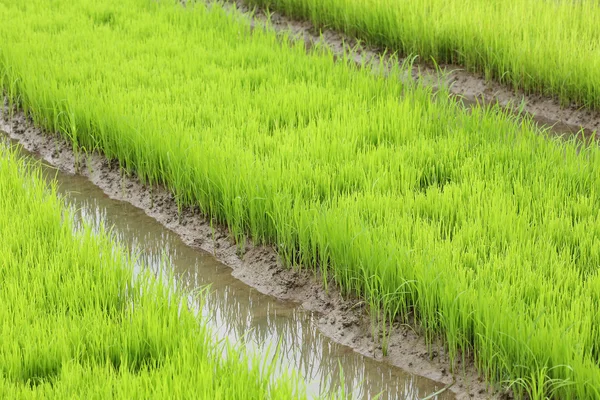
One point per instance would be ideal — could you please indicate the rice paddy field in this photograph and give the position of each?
(471, 225)
(78, 323)
(538, 46)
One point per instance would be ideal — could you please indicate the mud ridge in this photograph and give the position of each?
(344, 320)
(471, 88)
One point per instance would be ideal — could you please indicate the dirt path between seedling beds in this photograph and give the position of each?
(471, 87)
(344, 320)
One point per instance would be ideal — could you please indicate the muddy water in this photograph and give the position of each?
(240, 313)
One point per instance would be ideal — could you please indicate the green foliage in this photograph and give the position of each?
(540, 47)
(473, 223)
(76, 323)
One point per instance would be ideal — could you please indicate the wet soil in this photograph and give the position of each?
(344, 320)
(471, 88)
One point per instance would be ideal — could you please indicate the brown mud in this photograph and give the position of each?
(471, 88)
(345, 321)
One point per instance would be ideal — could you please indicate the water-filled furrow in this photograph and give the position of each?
(239, 312)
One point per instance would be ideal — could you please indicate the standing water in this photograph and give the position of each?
(239, 312)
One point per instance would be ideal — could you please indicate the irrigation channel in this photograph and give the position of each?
(237, 311)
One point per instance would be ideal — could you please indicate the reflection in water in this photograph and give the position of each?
(239, 312)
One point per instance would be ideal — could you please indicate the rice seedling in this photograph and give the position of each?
(545, 47)
(473, 224)
(76, 323)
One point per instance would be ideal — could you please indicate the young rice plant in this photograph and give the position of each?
(543, 47)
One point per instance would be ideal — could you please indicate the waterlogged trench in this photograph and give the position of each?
(239, 312)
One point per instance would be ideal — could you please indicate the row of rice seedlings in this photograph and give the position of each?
(77, 324)
(470, 223)
(546, 47)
